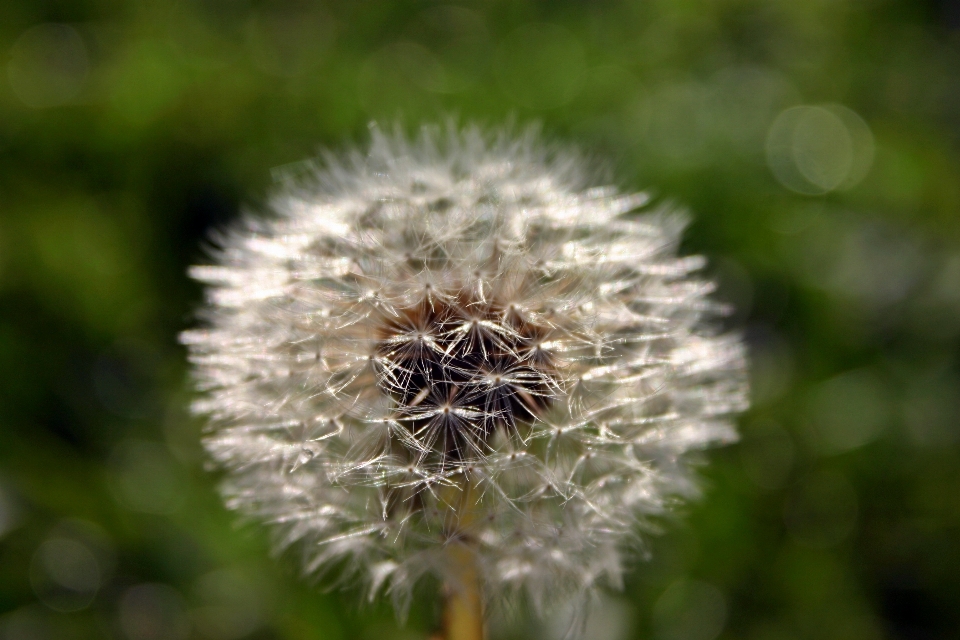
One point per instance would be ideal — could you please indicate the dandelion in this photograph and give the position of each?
(453, 357)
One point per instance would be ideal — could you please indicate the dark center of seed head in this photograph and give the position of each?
(441, 354)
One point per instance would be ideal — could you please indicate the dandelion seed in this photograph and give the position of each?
(452, 357)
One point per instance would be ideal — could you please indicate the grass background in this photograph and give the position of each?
(130, 129)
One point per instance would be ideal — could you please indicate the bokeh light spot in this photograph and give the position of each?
(817, 149)
(821, 148)
(48, 65)
(848, 411)
(65, 574)
(400, 76)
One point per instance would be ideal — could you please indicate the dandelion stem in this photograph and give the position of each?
(463, 611)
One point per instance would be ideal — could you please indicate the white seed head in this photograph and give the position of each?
(454, 341)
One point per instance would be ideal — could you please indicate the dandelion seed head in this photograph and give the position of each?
(457, 340)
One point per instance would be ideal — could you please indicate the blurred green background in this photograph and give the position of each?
(816, 142)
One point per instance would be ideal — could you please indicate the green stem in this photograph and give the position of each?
(463, 612)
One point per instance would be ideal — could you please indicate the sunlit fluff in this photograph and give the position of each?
(454, 341)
